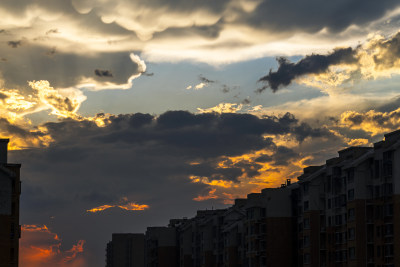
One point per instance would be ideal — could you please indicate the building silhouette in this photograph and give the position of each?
(126, 250)
(10, 190)
(345, 213)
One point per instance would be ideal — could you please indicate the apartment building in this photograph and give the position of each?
(10, 190)
(201, 239)
(233, 234)
(126, 250)
(345, 213)
(270, 227)
(161, 247)
(346, 208)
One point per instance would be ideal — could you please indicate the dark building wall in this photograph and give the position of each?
(279, 238)
(126, 250)
(10, 230)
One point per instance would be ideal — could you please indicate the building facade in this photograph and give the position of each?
(10, 190)
(126, 250)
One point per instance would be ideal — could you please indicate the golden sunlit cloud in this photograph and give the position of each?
(373, 122)
(123, 204)
(375, 59)
(255, 176)
(62, 106)
(222, 108)
(41, 247)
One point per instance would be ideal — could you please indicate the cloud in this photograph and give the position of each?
(41, 247)
(14, 44)
(205, 80)
(227, 31)
(200, 86)
(313, 64)
(62, 106)
(222, 108)
(372, 121)
(123, 204)
(64, 69)
(377, 58)
(195, 154)
(52, 31)
(103, 73)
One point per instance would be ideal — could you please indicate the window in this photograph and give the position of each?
(12, 232)
(263, 212)
(306, 188)
(350, 194)
(12, 254)
(338, 219)
(350, 176)
(352, 253)
(306, 241)
(378, 231)
(377, 191)
(389, 250)
(329, 203)
(352, 233)
(306, 207)
(388, 230)
(307, 258)
(377, 170)
(306, 223)
(387, 189)
(388, 210)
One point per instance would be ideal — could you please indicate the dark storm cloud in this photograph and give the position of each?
(55, 67)
(282, 156)
(312, 64)
(103, 73)
(315, 15)
(147, 159)
(182, 137)
(14, 130)
(14, 44)
(264, 158)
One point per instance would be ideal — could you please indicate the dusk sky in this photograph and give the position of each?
(127, 113)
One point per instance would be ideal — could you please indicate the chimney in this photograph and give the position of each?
(3, 150)
(288, 182)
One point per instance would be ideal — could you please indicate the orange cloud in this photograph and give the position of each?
(257, 176)
(123, 204)
(210, 195)
(133, 206)
(41, 247)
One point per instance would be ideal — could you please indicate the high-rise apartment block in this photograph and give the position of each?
(126, 250)
(10, 190)
(345, 213)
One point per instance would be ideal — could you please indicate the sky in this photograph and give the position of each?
(125, 114)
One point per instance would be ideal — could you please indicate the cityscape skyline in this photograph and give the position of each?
(124, 114)
(341, 213)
